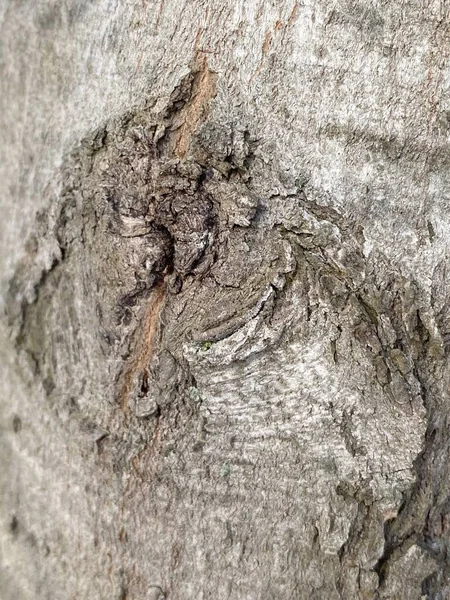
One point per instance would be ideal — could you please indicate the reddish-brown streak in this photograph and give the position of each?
(145, 348)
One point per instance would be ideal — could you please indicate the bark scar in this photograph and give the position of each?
(194, 112)
(145, 347)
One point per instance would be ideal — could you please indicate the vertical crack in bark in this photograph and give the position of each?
(137, 367)
(422, 519)
(195, 111)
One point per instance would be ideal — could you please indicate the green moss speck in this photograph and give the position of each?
(225, 470)
(194, 394)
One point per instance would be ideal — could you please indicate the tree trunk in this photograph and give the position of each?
(225, 329)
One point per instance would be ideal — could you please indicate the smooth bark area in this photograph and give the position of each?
(224, 295)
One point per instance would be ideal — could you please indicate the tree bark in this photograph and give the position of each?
(225, 328)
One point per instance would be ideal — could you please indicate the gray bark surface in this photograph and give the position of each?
(224, 295)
